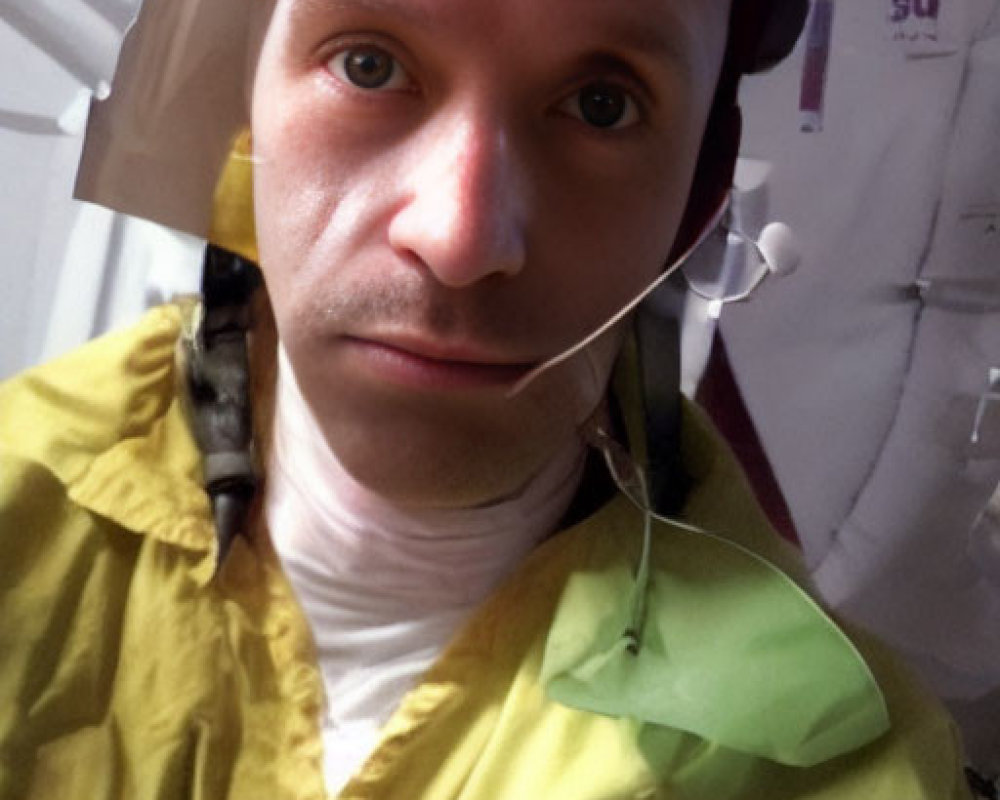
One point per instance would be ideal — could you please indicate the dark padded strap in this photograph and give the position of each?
(218, 382)
(658, 342)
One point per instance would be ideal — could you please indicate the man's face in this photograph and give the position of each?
(451, 191)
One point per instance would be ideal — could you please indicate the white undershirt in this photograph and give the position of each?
(383, 588)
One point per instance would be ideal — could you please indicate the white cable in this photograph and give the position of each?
(627, 309)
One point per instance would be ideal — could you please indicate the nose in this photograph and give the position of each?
(463, 208)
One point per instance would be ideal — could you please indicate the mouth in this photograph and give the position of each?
(427, 365)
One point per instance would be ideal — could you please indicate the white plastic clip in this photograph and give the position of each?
(986, 399)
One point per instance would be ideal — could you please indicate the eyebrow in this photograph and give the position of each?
(663, 42)
(643, 39)
(306, 9)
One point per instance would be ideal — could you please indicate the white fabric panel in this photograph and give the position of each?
(821, 356)
(926, 491)
(865, 396)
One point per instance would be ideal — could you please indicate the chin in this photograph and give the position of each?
(449, 448)
(441, 464)
(436, 480)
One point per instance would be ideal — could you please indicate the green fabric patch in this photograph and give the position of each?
(731, 650)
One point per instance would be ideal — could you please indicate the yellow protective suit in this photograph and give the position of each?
(127, 671)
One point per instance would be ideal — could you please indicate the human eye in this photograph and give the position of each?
(368, 67)
(603, 105)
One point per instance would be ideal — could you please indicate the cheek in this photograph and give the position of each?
(309, 200)
(618, 217)
(321, 179)
(296, 178)
(609, 248)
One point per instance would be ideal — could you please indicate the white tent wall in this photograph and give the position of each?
(864, 394)
(29, 136)
(70, 269)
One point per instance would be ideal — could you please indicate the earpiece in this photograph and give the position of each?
(780, 249)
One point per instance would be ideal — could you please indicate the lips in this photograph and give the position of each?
(430, 365)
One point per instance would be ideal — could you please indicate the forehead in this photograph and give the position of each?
(667, 28)
(639, 15)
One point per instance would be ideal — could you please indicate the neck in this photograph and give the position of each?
(413, 558)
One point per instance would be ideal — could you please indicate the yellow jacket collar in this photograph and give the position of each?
(126, 452)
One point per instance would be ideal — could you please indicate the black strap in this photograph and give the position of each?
(982, 788)
(658, 340)
(218, 380)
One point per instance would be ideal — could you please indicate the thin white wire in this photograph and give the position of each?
(627, 309)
